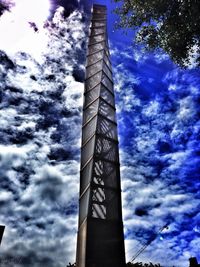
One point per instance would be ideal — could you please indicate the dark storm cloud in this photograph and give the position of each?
(39, 153)
(67, 4)
(158, 116)
(87, 4)
(71, 5)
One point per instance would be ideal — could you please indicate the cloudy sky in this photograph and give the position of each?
(42, 57)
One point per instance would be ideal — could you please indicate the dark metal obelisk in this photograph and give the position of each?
(100, 235)
(2, 228)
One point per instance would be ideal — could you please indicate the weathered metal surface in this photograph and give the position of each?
(100, 236)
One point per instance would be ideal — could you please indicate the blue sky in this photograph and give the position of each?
(158, 121)
(157, 103)
(158, 126)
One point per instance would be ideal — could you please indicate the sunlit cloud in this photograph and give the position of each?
(16, 26)
(39, 153)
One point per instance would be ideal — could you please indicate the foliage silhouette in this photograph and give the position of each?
(3, 7)
(172, 25)
(140, 264)
(129, 264)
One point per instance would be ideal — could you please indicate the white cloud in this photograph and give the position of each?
(19, 36)
(40, 153)
(187, 109)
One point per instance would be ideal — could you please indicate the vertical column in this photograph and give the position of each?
(2, 228)
(100, 236)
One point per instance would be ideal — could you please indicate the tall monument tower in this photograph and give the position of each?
(100, 235)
